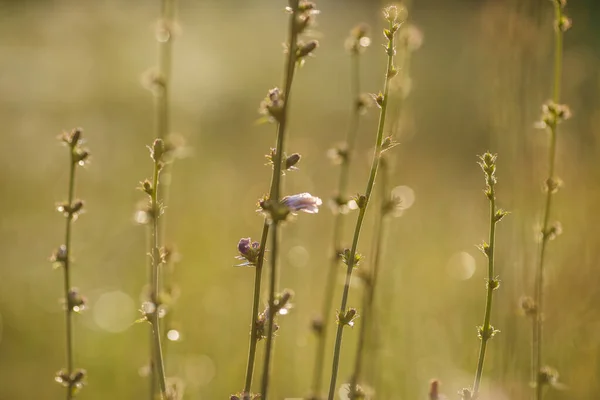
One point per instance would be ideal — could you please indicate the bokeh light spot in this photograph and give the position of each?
(114, 311)
(298, 256)
(461, 266)
(406, 195)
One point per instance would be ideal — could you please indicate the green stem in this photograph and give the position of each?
(67, 274)
(255, 305)
(371, 283)
(157, 356)
(338, 228)
(165, 51)
(361, 215)
(275, 191)
(539, 287)
(486, 328)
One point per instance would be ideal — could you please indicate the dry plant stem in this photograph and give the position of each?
(274, 195)
(255, 305)
(338, 228)
(371, 282)
(490, 292)
(361, 216)
(67, 275)
(155, 260)
(539, 287)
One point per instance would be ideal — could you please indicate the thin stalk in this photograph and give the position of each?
(155, 260)
(338, 227)
(67, 275)
(371, 281)
(361, 215)
(486, 327)
(165, 51)
(275, 191)
(539, 287)
(255, 305)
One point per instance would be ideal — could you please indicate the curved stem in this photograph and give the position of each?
(338, 228)
(255, 305)
(486, 327)
(67, 275)
(275, 191)
(361, 215)
(539, 287)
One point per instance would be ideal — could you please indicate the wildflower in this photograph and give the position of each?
(302, 202)
(249, 251)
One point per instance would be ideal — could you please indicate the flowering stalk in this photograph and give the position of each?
(487, 331)
(152, 308)
(356, 43)
(553, 114)
(350, 257)
(276, 209)
(70, 378)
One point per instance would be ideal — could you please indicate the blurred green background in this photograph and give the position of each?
(477, 84)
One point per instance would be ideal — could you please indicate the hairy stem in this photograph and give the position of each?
(67, 275)
(275, 191)
(486, 327)
(338, 227)
(371, 281)
(155, 262)
(361, 215)
(255, 305)
(539, 286)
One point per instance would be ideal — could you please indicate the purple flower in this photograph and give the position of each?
(302, 202)
(249, 251)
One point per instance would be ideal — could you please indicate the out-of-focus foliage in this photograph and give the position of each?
(478, 83)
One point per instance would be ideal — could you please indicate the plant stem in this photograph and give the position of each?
(539, 287)
(274, 195)
(255, 305)
(371, 281)
(165, 50)
(155, 262)
(338, 227)
(486, 327)
(374, 166)
(67, 274)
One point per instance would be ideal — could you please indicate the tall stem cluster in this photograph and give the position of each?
(276, 209)
(72, 379)
(350, 256)
(553, 114)
(356, 43)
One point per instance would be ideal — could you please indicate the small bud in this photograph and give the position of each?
(75, 301)
(346, 256)
(62, 377)
(466, 394)
(486, 334)
(484, 247)
(388, 143)
(361, 200)
(272, 105)
(291, 161)
(77, 378)
(548, 376)
(59, 256)
(563, 24)
(552, 185)
(378, 98)
(493, 283)
(317, 326)
(392, 72)
(305, 49)
(74, 137)
(158, 150)
(528, 306)
(146, 187)
(348, 317)
(500, 213)
(434, 390)
(80, 156)
(249, 251)
(553, 231)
